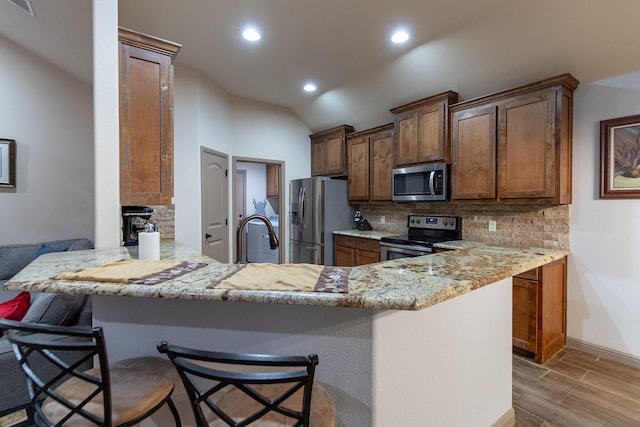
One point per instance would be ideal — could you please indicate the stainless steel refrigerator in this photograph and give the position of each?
(319, 206)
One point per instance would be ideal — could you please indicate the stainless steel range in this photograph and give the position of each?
(423, 231)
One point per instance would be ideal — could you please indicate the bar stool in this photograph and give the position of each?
(53, 359)
(235, 389)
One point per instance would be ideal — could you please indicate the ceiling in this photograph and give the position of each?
(474, 47)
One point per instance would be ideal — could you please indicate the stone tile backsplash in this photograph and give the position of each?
(165, 216)
(516, 225)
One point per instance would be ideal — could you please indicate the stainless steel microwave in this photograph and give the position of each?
(429, 182)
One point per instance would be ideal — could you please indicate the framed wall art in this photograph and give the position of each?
(620, 158)
(7, 163)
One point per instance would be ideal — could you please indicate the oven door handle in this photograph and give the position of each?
(417, 248)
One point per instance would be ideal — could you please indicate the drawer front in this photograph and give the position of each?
(346, 241)
(367, 244)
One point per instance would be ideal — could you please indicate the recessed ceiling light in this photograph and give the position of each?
(400, 37)
(251, 34)
(309, 87)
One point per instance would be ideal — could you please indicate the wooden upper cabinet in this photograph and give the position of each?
(328, 151)
(381, 164)
(370, 154)
(473, 153)
(358, 168)
(528, 131)
(273, 180)
(146, 118)
(422, 130)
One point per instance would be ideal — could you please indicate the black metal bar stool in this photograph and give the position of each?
(64, 392)
(234, 389)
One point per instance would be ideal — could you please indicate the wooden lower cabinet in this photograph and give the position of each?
(540, 311)
(351, 251)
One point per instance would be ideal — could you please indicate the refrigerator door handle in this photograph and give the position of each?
(303, 213)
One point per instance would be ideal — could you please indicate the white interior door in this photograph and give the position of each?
(215, 204)
(241, 195)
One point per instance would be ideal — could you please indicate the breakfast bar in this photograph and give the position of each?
(415, 341)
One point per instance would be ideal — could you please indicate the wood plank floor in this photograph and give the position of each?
(575, 389)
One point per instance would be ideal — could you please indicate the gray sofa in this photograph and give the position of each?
(59, 309)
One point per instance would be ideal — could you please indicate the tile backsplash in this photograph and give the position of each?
(165, 216)
(522, 226)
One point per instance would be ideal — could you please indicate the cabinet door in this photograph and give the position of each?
(552, 298)
(146, 127)
(367, 251)
(431, 133)
(406, 138)
(366, 257)
(359, 168)
(335, 158)
(318, 149)
(525, 314)
(344, 256)
(526, 146)
(473, 153)
(381, 169)
(273, 180)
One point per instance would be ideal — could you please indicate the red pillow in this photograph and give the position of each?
(15, 308)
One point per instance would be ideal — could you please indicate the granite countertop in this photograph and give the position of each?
(402, 284)
(371, 234)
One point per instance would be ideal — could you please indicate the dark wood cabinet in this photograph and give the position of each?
(328, 151)
(473, 153)
(350, 251)
(273, 180)
(146, 118)
(370, 155)
(514, 146)
(540, 311)
(358, 171)
(422, 130)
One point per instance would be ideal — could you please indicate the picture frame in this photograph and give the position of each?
(620, 158)
(7, 163)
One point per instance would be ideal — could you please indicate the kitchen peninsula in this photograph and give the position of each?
(404, 345)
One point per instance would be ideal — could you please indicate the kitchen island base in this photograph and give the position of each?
(445, 365)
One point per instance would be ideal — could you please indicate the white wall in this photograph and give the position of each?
(106, 116)
(604, 268)
(50, 115)
(256, 187)
(204, 115)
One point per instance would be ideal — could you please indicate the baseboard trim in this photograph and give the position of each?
(508, 419)
(606, 353)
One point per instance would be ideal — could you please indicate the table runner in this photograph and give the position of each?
(133, 271)
(286, 277)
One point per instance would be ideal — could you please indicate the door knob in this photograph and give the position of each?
(207, 236)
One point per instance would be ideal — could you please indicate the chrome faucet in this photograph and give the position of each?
(273, 239)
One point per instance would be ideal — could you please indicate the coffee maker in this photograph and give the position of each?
(134, 219)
